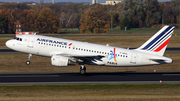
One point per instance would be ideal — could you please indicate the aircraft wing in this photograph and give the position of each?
(80, 58)
(83, 56)
(87, 59)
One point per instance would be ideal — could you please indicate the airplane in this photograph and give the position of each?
(64, 52)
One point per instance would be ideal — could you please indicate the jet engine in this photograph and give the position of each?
(61, 61)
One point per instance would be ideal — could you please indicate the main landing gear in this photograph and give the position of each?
(82, 69)
(29, 58)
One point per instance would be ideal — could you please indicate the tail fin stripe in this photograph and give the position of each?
(158, 37)
(160, 41)
(162, 46)
(155, 47)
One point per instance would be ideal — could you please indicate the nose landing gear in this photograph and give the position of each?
(29, 58)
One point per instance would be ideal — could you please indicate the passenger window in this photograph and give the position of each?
(20, 39)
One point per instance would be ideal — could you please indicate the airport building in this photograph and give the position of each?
(111, 3)
(94, 1)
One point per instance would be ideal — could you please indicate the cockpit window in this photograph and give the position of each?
(17, 38)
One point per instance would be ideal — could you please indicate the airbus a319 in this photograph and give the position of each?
(64, 52)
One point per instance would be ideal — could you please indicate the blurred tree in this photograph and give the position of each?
(176, 10)
(134, 10)
(125, 23)
(11, 6)
(94, 21)
(47, 21)
(28, 19)
(152, 14)
(167, 14)
(9, 25)
(17, 12)
(2, 23)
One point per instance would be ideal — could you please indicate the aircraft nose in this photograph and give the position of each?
(8, 44)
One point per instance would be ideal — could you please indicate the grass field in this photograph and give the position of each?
(136, 92)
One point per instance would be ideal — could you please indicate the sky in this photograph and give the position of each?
(49, 1)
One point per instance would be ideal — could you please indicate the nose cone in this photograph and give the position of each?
(9, 44)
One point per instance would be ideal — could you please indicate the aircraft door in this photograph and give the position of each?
(31, 42)
(133, 58)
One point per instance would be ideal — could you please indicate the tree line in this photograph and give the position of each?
(51, 18)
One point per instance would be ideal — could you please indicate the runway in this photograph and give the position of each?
(12, 51)
(90, 78)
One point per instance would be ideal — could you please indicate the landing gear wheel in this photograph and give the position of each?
(29, 58)
(82, 70)
(28, 62)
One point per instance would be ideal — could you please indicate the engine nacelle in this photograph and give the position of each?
(61, 61)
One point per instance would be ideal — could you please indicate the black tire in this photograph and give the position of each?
(82, 71)
(28, 62)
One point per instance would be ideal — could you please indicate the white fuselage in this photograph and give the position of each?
(111, 56)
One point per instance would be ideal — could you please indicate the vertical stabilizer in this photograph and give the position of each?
(157, 44)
